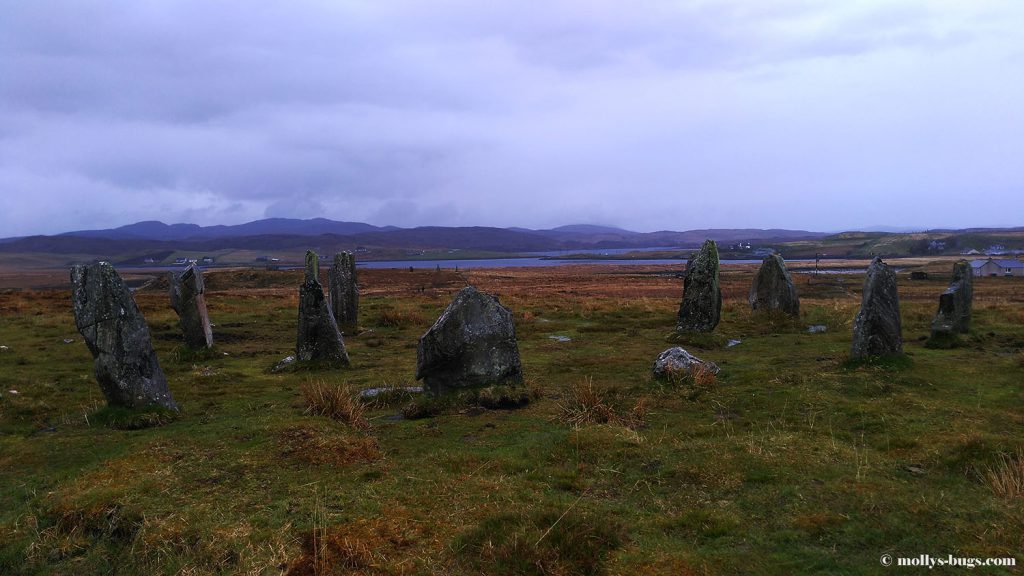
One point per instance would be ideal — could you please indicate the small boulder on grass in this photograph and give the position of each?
(678, 364)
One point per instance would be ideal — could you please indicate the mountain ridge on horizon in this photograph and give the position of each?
(276, 232)
(158, 230)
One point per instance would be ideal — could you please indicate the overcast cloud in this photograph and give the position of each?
(647, 114)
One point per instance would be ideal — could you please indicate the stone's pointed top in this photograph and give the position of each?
(344, 259)
(961, 270)
(191, 277)
(91, 286)
(312, 266)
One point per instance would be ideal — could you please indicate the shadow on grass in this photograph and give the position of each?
(137, 419)
(495, 397)
(943, 341)
(888, 362)
(701, 340)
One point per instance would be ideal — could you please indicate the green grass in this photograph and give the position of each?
(795, 461)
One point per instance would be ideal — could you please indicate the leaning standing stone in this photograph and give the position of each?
(876, 330)
(124, 361)
(473, 343)
(773, 288)
(341, 283)
(188, 301)
(701, 307)
(954, 314)
(318, 339)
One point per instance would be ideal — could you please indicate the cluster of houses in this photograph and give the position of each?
(997, 267)
(205, 260)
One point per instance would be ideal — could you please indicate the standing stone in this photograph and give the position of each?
(473, 343)
(701, 308)
(124, 361)
(773, 288)
(341, 284)
(318, 339)
(876, 330)
(188, 301)
(954, 314)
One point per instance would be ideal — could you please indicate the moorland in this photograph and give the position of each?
(791, 460)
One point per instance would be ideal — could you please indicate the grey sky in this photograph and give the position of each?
(646, 114)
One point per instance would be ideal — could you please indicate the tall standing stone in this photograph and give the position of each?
(701, 308)
(341, 284)
(188, 301)
(124, 361)
(473, 343)
(954, 314)
(876, 330)
(318, 338)
(773, 288)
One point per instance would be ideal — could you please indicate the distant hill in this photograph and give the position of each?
(154, 230)
(146, 238)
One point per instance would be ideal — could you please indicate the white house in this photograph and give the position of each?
(993, 267)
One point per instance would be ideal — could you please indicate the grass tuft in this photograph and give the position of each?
(547, 541)
(1006, 477)
(394, 317)
(584, 404)
(359, 547)
(338, 401)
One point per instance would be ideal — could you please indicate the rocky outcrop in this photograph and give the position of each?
(124, 361)
(773, 288)
(701, 307)
(676, 364)
(344, 292)
(188, 301)
(318, 339)
(954, 314)
(473, 343)
(876, 330)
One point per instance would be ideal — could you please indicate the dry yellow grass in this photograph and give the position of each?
(1006, 478)
(585, 404)
(337, 401)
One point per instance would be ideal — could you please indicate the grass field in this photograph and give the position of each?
(791, 461)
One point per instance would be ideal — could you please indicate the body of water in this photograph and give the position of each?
(530, 262)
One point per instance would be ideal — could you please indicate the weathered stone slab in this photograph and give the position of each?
(877, 329)
(344, 291)
(188, 301)
(318, 337)
(473, 343)
(124, 360)
(701, 307)
(676, 363)
(954, 314)
(773, 288)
